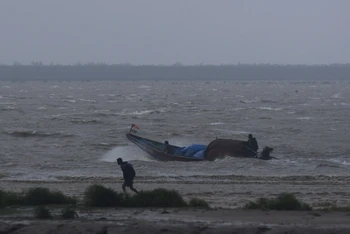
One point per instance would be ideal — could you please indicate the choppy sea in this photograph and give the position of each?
(57, 130)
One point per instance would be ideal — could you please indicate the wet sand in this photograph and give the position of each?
(231, 192)
(131, 221)
(226, 197)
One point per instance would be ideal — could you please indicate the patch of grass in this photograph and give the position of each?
(1, 197)
(9, 211)
(197, 202)
(10, 199)
(43, 196)
(156, 198)
(316, 214)
(284, 201)
(99, 196)
(68, 213)
(336, 208)
(42, 213)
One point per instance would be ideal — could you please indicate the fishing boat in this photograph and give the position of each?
(216, 149)
(158, 150)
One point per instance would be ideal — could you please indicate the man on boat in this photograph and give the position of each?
(252, 143)
(128, 174)
(167, 147)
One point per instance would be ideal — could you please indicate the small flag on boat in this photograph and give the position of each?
(133, 130)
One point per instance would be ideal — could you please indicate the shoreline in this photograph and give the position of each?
(189, 220)
(231, 194)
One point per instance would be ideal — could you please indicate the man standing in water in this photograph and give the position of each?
(128, 174)
(252, 143)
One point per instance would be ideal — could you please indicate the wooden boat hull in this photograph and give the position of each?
(156, 149)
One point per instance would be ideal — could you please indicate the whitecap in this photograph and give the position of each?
(128, 153)
(269, 108)
(216, 123)
(337, 95)
(306, 118)
(106, 95)
(142, 112)
(7, 103)
(9, 108)
(343, 162)
(42, 108)
(87, 100)
(144, 87)
(249, 101)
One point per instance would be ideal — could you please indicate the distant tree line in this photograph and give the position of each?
(100, 71)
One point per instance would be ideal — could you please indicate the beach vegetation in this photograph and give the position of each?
(156, 198)
(284, 201)
(10, 198)
(336, 208)
(199, 203)
(42, 212)
(43, 196)
(68, 213)
(100, 196)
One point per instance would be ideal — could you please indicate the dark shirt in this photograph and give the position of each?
(253, 144)
(128, 171)
(265, 154)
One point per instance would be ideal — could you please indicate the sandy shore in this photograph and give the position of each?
(221, 193)
(103, 221)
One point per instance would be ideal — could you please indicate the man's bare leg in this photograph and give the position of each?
(133, 189)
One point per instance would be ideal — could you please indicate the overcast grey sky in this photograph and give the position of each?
(166, 32)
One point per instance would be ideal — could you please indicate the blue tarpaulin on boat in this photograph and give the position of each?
(192, 150)
(199, 154)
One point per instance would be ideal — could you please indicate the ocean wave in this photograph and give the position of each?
(106, 95)
(217, 123)
(249, 101)
(140, 112)
(8, 108)
(269, 108)
(86, 100)
(71, 101)
(340, 161)
(144, 87)
(305, 118)
(7, 103)
(322, 165)
(85, 121)
(268, 101)
(29, 133)
(337, 95)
